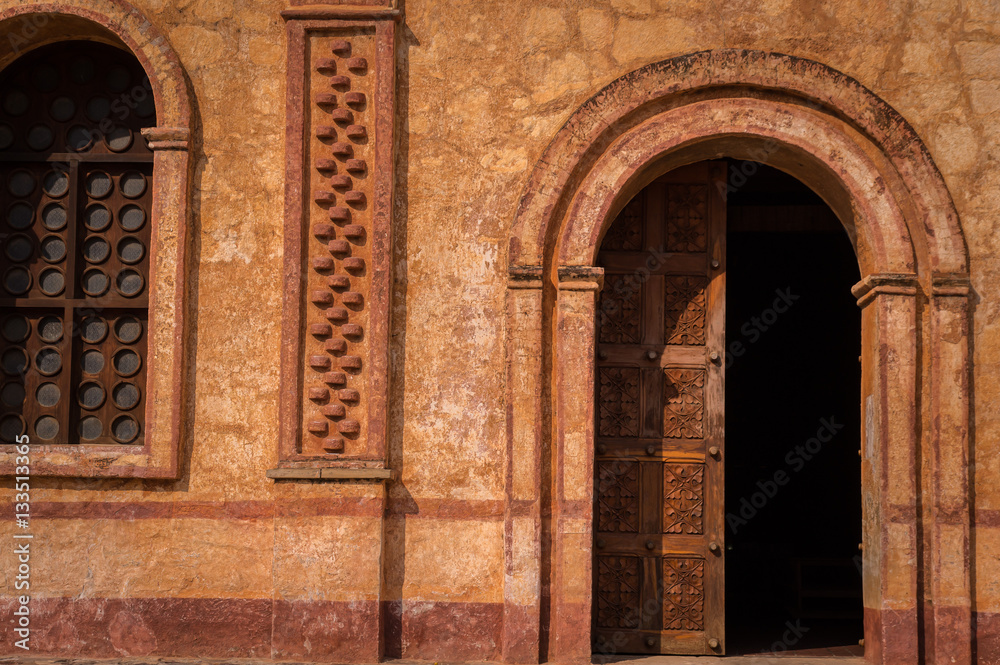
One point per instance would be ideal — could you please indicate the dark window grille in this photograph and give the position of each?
(75, 195)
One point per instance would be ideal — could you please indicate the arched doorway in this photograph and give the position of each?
(727, 481)
(872, 170)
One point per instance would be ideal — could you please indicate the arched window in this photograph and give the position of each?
(75, 262)
(74, 266)
(95, 120)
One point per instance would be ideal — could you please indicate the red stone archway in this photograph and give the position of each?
(871, 167)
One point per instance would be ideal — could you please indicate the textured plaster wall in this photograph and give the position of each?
(483, 88)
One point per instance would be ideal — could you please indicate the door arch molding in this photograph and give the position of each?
(873, 170)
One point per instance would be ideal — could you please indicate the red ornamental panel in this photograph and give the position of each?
(337, 246)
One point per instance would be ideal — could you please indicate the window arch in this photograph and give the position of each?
(94, 189)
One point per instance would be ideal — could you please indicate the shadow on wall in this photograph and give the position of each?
(399, 501)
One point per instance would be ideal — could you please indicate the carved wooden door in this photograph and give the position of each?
(658, 513)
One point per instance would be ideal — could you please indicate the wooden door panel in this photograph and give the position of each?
(659, 516)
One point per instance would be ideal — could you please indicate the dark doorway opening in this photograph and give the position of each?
(793, 382)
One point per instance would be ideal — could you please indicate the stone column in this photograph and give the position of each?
(890, 415)
(171, 157)
(569, 639)
(523, 510)
(948, 607)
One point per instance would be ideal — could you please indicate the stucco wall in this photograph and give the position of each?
(483, 88)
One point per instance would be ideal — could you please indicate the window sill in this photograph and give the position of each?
(330, 474)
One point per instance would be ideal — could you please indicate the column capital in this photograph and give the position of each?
(524, 277)
(167, 138)
(894, 283)
(581, 278)
(950, 284)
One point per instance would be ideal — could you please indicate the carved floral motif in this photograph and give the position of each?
(619, 401)
(683, 498)
(683, 594)
(687, 218)
(618, 496)
(620, 311)
(618, 592)
(685, 309)
(683, 403)
(626, 231)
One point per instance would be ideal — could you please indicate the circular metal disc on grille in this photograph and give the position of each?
(125, 396)
(53, 248)
(131, 249)
(51, 281)
(40, 137)
(45, 77)
(54, 217)
(48, 395)
(129, 283)
(55, 183)
(12, 394)
(14, 360)
(15, 102)
(92, 361)
(21, 183)
(96, 217)
(20, 215)
(82, 70)
(6, 137)
(15, 328)
(50, 329)
(93, 330)
(17, 280)
(95, 282)
(119, 139)
(98, 184)
(90, 395)
(90, 428)
(98, 108)
(48, 361)
(19, 248)
(79, 138)
(128, 330)
(133, 184)
(124, 429)
(118, 78)
(96, 249)
(11, 427)
(131, 217)
(127, 362)
(47, 428)
(62, 109)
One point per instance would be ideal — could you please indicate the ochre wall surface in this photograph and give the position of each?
(228, 563)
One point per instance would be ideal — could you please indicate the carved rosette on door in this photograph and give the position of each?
(659, 514)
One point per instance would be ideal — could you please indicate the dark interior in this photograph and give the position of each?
(793, 506)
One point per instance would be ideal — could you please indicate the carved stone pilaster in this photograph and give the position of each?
(338, 248)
